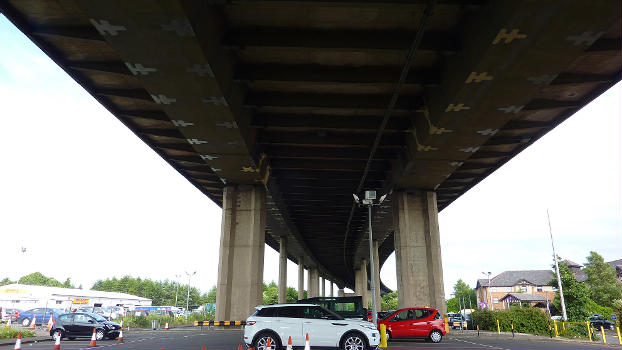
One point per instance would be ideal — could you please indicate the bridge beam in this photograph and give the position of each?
(242, 242)
(418, 250)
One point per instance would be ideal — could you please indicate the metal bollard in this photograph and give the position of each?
(512, 329)
(478, 330)
(498, 328)
(619, 339)
(589, 331)
(446, 324)
(556, 330)
(383, 336)
(602, 331)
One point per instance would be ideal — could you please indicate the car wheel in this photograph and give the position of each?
(436, 336)
(99, 334)
(26, 322)
(261, 342)
(353, 341)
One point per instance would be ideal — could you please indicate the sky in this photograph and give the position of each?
(89, 200)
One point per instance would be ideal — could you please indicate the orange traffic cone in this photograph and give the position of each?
(33, 323)
(166, 326)
(239, 347)
(93, 339)
(307, 347)
(120, 339)
(57, 342)
(204, 347)
(269, 344)
(289, 343)
(51, 321)
(18, 342)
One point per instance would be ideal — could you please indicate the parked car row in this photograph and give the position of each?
(279, 322)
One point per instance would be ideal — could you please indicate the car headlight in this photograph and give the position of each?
(368, 326)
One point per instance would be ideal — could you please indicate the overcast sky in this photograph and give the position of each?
(89, 200)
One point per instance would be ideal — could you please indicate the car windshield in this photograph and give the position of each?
(98, 318)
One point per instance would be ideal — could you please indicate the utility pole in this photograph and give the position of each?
(188, 295)
(176, 287)
(559, 279)
(369, 202)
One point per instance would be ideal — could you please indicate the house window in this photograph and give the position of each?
(539, 288)
(495, 300)
(523, 289)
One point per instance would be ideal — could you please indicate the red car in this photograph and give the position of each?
(415, 322)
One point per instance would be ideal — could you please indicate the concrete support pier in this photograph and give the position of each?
(314, 283)
(323, 287)
(283, 270)
(301, 278)
(341, 292)
(360, 282)
(376, 280)
(418, 250)
(242, 242)
(331, 289)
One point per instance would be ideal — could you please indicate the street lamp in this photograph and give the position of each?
(188, 295)
(490, 306)
(369, 202)
(176, 287)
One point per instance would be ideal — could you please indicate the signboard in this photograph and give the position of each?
(79, 301)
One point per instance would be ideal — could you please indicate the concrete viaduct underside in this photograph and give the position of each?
(279, 110)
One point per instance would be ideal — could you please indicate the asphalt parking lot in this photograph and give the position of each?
(194, 338)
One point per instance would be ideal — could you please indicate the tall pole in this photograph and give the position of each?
(176, 287)
(188, 295)
(374, 314)
(559, 279)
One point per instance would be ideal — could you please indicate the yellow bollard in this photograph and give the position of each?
(446, 324)
(563, 325)
(498, 328)
(556, 331)
(602, 331)
(619, 339)
(589, 331)
(383, 335)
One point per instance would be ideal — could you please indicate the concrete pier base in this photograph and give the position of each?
(418, 250)
(242, 242)
(283, 270)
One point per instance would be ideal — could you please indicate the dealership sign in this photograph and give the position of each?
(79, 301)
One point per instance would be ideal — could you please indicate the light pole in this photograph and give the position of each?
(188, 295)
(369, 202)
(176, 287)
(559, 280)
(488, 295)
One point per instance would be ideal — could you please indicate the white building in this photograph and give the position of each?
(24, 297)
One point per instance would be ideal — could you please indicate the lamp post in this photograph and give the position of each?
(559, 280)
(188, 295)
(488, 295)
(176, 287)
(369, 202)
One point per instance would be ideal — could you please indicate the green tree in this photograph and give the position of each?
(270, 293)
(6, 281)
(601, 277)
(38, 279)
(576, 294)
(211, 296)
(389, 301)
(462, 294)
(292, 295)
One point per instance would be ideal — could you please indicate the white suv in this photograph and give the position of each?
(325, 328)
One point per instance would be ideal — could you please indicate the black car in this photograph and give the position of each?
(81, 324)
(598, 320)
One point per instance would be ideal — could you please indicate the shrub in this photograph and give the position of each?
(525, 319)
(10, 333)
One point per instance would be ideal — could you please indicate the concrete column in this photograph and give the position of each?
(323, 287)
(377, 275)
(301, 278)
(314, 283)
(242, 241)
(418, 250)
(360, 282)
(341, 292)
(331, 289)
(283, 270)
